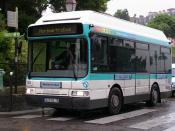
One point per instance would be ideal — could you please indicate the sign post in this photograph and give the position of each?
(12, 21)
(11, 35)
(12, 18)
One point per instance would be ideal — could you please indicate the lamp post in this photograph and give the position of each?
(135, 21)
(71, 5)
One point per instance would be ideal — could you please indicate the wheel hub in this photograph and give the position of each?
(155, 96)
(115, 100)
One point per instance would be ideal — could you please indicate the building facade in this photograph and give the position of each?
(143, 20)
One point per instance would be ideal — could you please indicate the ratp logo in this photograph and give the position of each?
(85, 84)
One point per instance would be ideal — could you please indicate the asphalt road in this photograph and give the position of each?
(134, 117)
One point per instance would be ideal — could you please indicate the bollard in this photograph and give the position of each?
(11, 92)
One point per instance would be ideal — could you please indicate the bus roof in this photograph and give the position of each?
(105, 21)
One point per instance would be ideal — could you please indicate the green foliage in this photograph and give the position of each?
(5, 49)
(96, 5)
(165, 23)
(2, 22)
(29, 11)
(122, 14)
(173, 51)
(24, 49)
(24, 21)
(29, 7)
(5, 43)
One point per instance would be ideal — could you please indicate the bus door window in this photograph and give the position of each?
(99, 53)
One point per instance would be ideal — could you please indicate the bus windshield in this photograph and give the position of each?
(59, 58)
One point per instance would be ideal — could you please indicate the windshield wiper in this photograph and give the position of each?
(73, 66)
(74, 72)
(33, 62)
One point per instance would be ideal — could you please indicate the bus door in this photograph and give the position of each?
(142, 65)
(142, 83)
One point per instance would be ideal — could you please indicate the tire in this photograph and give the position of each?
(115, 101)
(154, 96)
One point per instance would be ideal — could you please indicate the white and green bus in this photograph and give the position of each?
(85, 60)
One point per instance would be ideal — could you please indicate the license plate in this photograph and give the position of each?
(51, 100)
(44, 84)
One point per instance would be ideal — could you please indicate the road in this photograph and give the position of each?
(135, 117)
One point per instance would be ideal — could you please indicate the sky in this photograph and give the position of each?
(139, 7)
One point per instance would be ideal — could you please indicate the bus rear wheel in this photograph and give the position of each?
(115, 101)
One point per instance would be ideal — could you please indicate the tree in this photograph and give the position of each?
(165, 23)
(29, 11)
(2, 22)
(96, 5)
(4, 42)
(122, 14)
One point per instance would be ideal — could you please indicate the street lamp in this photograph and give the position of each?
(71, 5)
(135, 18)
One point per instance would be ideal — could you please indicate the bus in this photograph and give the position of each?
(112, 62)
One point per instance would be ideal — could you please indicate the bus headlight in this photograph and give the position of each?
(30, 91)
(29, 83)
(173, 85)
(80, 93)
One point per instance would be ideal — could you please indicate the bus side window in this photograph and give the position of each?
(99, 53)
(165, 58)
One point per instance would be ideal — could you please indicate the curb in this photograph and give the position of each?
(13, 113)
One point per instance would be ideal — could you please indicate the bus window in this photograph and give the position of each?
(62, 57)
(121, 56)
(99, 53)
(142, 58)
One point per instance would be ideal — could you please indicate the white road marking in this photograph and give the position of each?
(60, 119)
(120, 116)
(170, 129)
(155, 122)
(27, 116)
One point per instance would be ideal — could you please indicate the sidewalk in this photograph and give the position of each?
(14, 113)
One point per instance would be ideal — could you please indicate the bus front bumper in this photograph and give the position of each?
(66, 102)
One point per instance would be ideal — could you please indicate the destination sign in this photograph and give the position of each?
(55, 29)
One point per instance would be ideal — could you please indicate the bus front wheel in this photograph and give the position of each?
(154, 96)
(115, 101)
